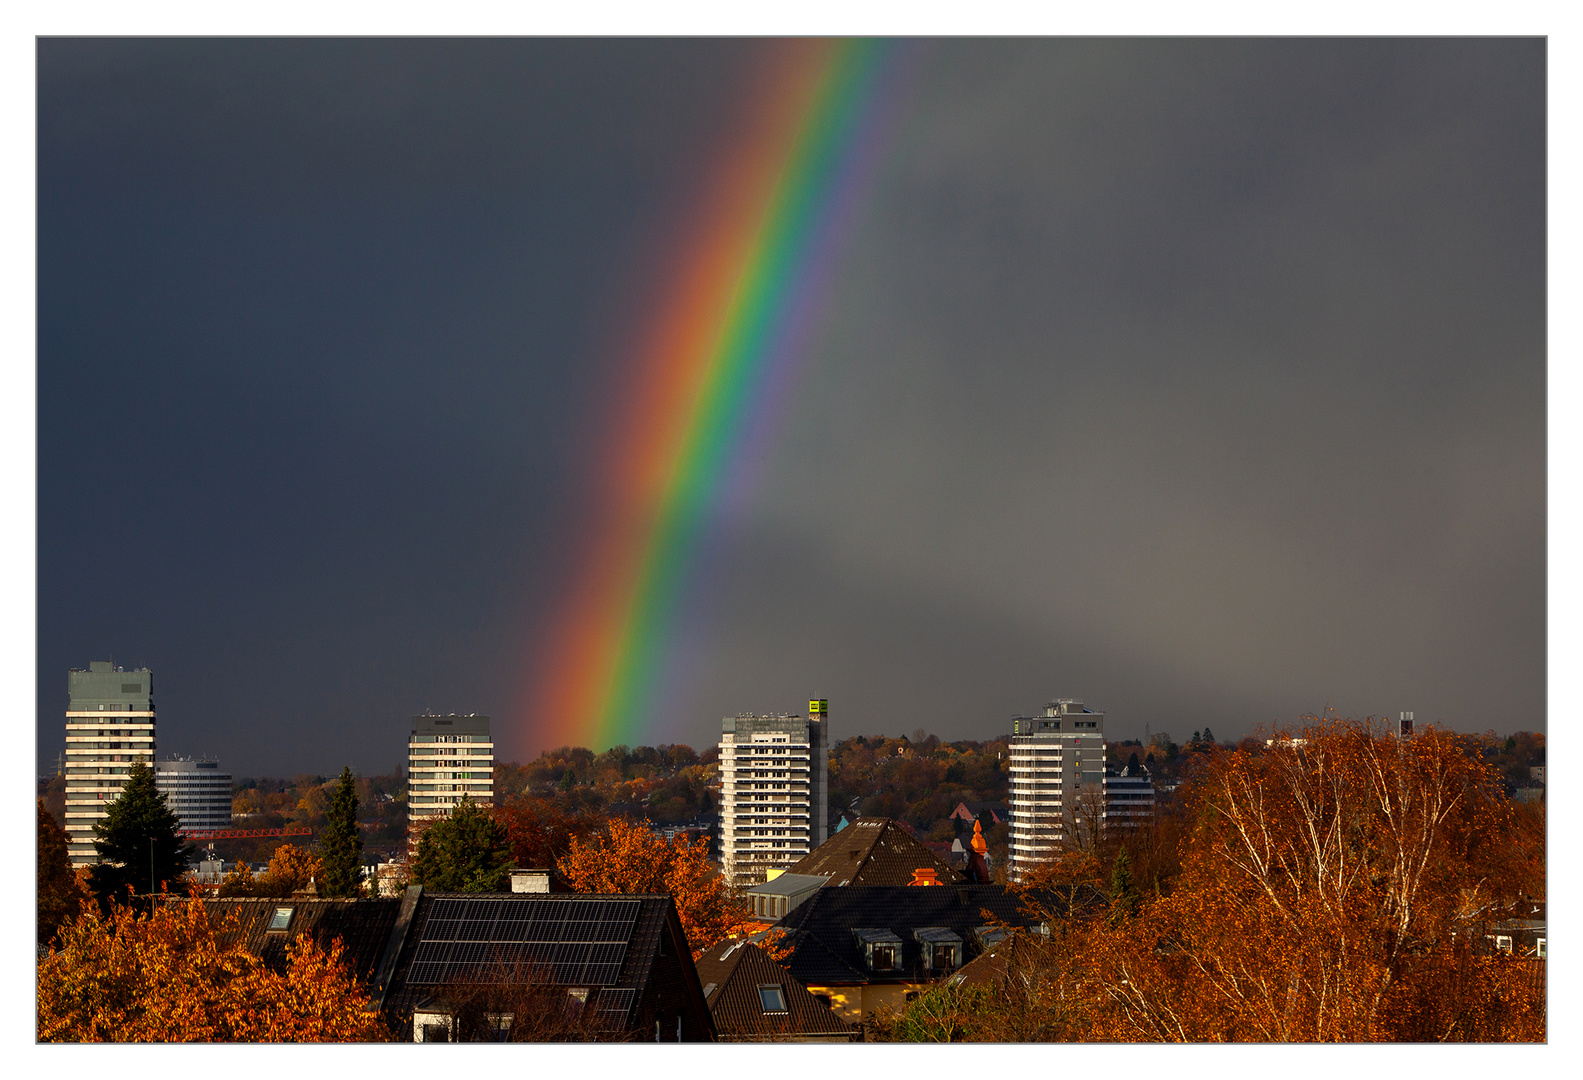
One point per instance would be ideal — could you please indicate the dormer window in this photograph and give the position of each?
(942, 948)
(881, 948)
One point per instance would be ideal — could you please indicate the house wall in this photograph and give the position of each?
(665, 998)
(853, 1003)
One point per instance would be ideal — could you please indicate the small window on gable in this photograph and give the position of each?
(772, 998)
(281, 919)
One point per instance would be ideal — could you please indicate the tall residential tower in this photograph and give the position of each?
(774, 801)
(447, 757)
(109, 725)
(1057, 780)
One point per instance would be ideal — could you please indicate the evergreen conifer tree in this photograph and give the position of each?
(137, 841)
(341, 843)
(1123, 893)
(467, 852)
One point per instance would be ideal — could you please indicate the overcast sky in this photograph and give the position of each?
(1202, 381)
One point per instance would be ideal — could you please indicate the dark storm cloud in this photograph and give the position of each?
(1204, 380)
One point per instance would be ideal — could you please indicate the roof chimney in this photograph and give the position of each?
(977, 864)
(923, 876)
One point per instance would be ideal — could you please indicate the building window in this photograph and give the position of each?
(1503, 943)
(281, 919)
(771, 997)
(884, 957)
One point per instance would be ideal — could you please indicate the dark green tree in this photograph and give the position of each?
(341, 843)
(59, 894)
(1132, 763)
(1123, 893)
(1209, 736)
(137, 842)
(467, 852)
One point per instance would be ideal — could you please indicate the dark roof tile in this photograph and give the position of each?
(872, 851)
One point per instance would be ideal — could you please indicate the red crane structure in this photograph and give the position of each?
(244, 834)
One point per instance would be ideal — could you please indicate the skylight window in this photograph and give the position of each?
(772, 998)
(281, 919)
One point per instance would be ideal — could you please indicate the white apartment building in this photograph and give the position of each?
(109, 725)
(1129, 797)
(447, 757)
(1057, 780)
(774, 801)
(197, 792)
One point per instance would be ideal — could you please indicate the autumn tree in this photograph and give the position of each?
(630, 858)
(341, 844)
(138, 843)
(538, 831)
(467, 851)
(59, 892)
(1337, 888)
(290, 868)
(170, 977)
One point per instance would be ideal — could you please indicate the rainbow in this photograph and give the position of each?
(742, 297)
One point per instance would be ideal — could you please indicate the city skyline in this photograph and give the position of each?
(1200, 380)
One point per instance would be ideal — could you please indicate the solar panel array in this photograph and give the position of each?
(566, 942)
(612, 1006)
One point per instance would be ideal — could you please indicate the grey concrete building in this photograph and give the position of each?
(1057, 780)
(196, 791)
(447, 757)
(109, 725)
(774, 800)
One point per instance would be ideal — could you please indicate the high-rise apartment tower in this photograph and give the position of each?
(1057, 780)
(774, 801)
(447, 757)
(109, 725)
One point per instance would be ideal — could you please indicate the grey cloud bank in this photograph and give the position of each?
(1202, 380)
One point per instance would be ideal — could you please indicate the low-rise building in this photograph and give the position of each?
(873, 851)
(753, 999)
(777, 897)
(857, 948)
(617, 963)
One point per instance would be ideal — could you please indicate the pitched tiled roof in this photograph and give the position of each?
(997, 964)
(732, 973)
(626, 979)
(826, 950)
(363, 926)
(872, 851)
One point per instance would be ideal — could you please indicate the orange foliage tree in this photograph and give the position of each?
(539, 831)
(1335, 887)
(628, 858)
(172, 978)
(290, 869)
